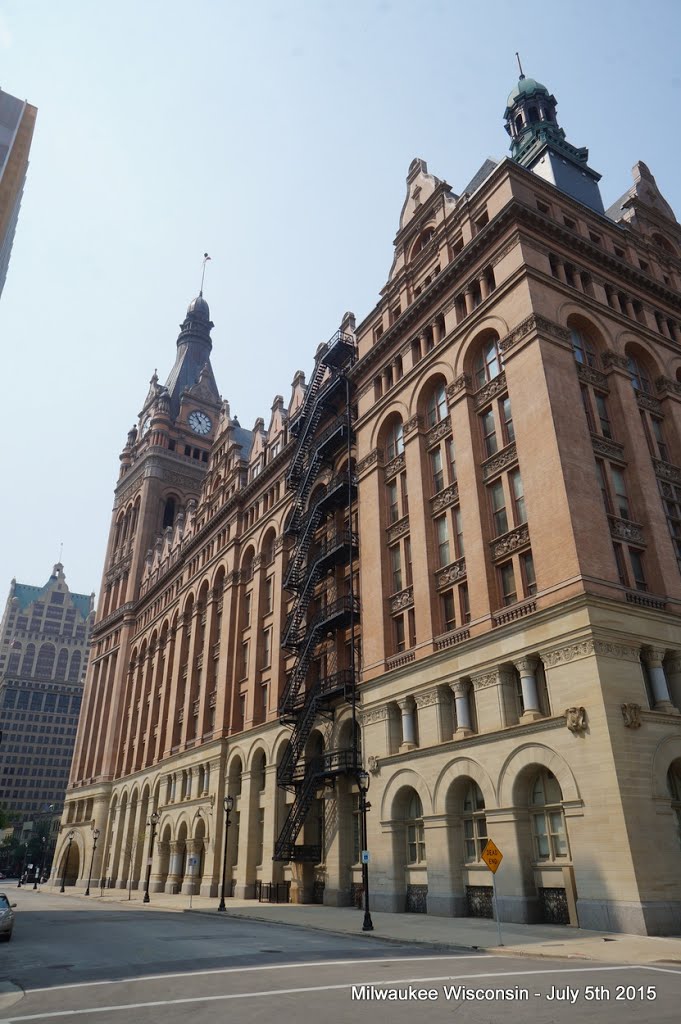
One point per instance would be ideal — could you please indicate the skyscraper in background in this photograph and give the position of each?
(17, 120)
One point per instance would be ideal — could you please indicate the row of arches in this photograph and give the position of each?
(62, 667)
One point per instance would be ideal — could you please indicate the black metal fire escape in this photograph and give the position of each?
(326, 405)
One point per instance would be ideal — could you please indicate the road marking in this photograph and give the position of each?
(266, 967)
(665, 970)
(382, 983)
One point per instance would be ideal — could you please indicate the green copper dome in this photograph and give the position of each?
(525, 87)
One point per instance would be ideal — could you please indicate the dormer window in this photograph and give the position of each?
(422, 241)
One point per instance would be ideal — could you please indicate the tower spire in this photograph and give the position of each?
(206, 257)
(520, 67)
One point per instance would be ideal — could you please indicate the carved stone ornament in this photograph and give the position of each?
(426, 700)
(511, 542)
(369, 460)
(581, 649)
(375, 715)
(404, 599)
(373, 765)
(611, 358)
(394, 466)
(451, 573)
(398, 529)
(501, 461)
(648, 402)
(632, 715)
(533, 324)
(233, 577)
(623, 529)
(460, 384)
(484, 680)
(413, 424)
(279, 543)
(591, 376)
(449, 496)
(671, 386)
(666, 471)
(575, 719)
(610, 449)
(440, 430)
(488, 391)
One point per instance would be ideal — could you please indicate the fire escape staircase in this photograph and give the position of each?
(302, 701)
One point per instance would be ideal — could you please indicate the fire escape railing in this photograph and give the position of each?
(303, 698)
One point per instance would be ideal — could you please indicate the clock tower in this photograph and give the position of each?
(163, 465)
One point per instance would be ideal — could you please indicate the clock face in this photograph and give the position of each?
(146, 425)
(199, 422)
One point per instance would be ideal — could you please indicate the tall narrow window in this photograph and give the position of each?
(393, 509)
(436, 409)
(639, 376)
(603, 418)
(416, 837)
(621, 565)
(267, 648)
(451, 454)
(394, 445)
(464, 603)
(548, 822)
(620, 493)
(396, 568)
(442, 537)
(474, 823)
(636, 559)
(448, 611)
(498, 501)
(398, 628)
(529, 579)
(458, 533)
(507, 578)
(437, 470)
(659, 439)
(488, 365)
(407, 562)
(518, 497)
(583, 348)
(404, 492)
(507, 420)
(489, 433)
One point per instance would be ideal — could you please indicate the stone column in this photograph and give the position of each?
(244, 887)
(464, 726)
(484, 286)
(527, 668)
(468, 295)
(658, 681)
(438, 332)
(161, 852)
(174, 706)
(190, 885)
(175, 868)
(560, 268)
(408, 732)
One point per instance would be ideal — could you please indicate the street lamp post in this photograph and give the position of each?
(71, 836)
(154, 819)
(228, 804)
(95, 837)
(363, 780)
(42, 863)
(23, 863)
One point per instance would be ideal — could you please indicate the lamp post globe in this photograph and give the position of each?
(363, 781)
(228, 805)
(70, 837)
(153, 821)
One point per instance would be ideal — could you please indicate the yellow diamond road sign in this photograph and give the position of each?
(492, 856)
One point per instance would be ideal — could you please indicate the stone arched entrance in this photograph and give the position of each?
(69, 869)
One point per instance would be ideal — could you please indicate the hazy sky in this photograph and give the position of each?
(276, 135)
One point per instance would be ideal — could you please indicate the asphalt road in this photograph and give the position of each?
(71, 960)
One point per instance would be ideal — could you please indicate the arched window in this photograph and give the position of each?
(422, 241)
(583, 348)
(27, 663)
(519, 123)
(489, 362)
(674, 787)
(416, 837)
(169, 513)
(74, 670)
(13, 661)
(394, 442)
(436, 407)
(548, 821)
(640, 377)
(62, 664)
(45, 661)
(474, 823)
(534, 114)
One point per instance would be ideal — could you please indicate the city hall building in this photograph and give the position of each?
(451, 557)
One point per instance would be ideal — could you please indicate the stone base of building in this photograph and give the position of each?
(645, 918)
(210, 889)
(337, 898)
(244, 891)
(447, 905)
(519, 909)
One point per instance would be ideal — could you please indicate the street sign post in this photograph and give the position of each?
(365, 857)
(191, 864)
(493, 857)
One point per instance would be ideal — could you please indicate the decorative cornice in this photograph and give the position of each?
(279, 543)
(502, 460)
(398, 529)
(588, 375)
(451, 573)
(648, 402)
(443, 499)
(404, 599)
(672, 387)
(562, 655)
(369, 460)
(533, 324)
(605, 649)
(623, 529)
(485, 679)
(665, 471)
(607, 448)
(511, 541)
(395, 466)
(489, 391)
(462, 383)
(440, 430)
(373, 715)
(430, 697)
(614, 359)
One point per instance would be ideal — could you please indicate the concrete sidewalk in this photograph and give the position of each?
(443, 932)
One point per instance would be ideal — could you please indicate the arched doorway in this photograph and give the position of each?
(409, 850)
(467, 837)
(543, 841)
(70, 864)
